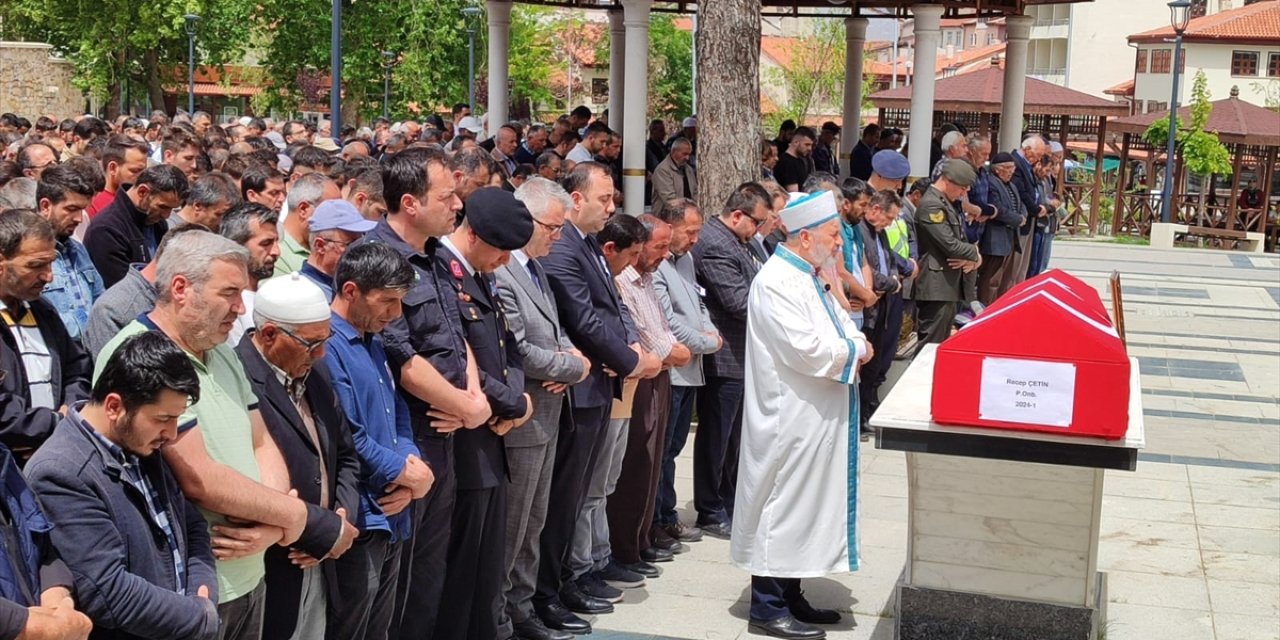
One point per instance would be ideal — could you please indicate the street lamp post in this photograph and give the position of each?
(388, 61)
(190, 21)
(335, 72)
(1179, 15)
(469, 13)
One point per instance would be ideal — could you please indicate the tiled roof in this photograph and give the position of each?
(1258, 22)
(1233, 119)
(982, 91)
(1123, 89)
(958, 61)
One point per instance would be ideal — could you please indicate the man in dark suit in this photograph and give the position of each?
(303, 416)
(860, 155)
(551, 364)
(43, 371)
(129, 229)
(495, 224)
(592, 316)
(945, 253)
(725, 266)
(999, 235)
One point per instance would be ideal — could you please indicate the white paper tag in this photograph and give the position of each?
(1027, 391)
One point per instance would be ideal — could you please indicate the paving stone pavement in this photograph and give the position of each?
(1190, 541)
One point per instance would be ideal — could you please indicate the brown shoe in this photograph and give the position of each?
(684, 532)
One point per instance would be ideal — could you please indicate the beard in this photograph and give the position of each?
(262, 271)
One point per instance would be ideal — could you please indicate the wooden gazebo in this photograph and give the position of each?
(1252, 136)
(975, 101)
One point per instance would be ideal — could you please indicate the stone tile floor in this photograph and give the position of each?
(1190, 541)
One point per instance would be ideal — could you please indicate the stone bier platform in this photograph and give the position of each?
(1003, 525)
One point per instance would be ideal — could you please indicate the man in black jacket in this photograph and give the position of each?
(1025, 159)
(140, 551)
(42, 369)
(999, 237)
(281, 359)
(129, 229)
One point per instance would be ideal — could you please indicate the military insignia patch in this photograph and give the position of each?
(456, 267)
(937, 217)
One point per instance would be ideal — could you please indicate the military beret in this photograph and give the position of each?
(499, 219)
(890, 165)
(959, 172)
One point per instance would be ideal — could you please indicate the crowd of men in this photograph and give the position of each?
(416, 385)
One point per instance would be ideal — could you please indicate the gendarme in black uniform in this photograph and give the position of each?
(474, 580)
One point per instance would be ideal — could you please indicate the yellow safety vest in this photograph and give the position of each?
(897, 235)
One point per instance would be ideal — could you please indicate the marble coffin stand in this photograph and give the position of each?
(1003, 525)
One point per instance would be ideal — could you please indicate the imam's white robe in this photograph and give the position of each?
(796, 507)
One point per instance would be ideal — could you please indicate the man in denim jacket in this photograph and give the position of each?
(62, 195)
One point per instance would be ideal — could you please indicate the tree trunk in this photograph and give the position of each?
(728, 108)
(155, 89)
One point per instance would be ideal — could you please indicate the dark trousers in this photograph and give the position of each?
(422, 569)
(682, 398)
(576, 451)
(242, 617)
(990, 278)
(366, 578)
(715, 449)
(770, 597)
(884, 341)
(630, 508)
(472, 595)
(935, 319)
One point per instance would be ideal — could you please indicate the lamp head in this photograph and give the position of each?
(1179, 15)
(470, 12)
(190, 21)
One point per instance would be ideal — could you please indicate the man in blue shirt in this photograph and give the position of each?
(62, 195)
(371, 280)
(332, 228)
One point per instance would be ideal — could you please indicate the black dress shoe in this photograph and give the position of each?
(644, 568)
(654, 554)
(618, 576)
(534, 629)
(787, 627)
(683, 532)
(579, 602)
(804, 612)
(720, 530)
(558, 617)
(593, 586)
(662, 540)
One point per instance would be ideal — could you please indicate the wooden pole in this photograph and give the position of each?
(1099, 159)
(1270, 173)
(1122, 183)
(1233, 209)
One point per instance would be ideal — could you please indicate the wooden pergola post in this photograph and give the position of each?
(1233, 208)
(1098, 168)
(1122, 181)
(1270, 173)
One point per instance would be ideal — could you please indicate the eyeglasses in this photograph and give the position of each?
(553, 228)
(341, 243)
(310, 345)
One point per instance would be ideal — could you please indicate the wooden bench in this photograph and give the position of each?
(1165, 235)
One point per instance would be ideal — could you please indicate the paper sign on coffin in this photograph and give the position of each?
(1044, 357)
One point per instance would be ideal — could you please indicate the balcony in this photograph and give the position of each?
(1056, 75)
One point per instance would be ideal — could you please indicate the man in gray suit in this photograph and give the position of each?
(681, 298)
(551, 364)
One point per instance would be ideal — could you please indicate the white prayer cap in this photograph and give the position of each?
(690, 122)
(291, 299)
(1055, 147)
(807, 210)
(245, 120)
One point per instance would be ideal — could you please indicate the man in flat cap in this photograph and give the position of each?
(945, 253)
(495, 225)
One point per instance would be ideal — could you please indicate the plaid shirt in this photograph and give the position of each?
(637, 292)
(134, 476)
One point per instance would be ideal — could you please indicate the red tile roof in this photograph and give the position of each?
(1255, 23)
(1234, 120)
(982, 91)
(1123, 89)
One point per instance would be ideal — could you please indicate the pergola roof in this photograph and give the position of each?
(955, 8)
(982, 91)
(1234, 120)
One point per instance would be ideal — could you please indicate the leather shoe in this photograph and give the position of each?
(804, 612)
(579, 602)
(654, 554)
(557, 617)
(662, 540)
(534, 629)
(719, 530)
(684, 532)
(644, 568)
(786, 627)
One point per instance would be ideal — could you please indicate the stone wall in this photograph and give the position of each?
(34, 83)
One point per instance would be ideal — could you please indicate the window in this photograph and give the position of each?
(1244, 63)
(973, 39)
(1160, 60)
(1142, 61)
(1273, 66)
(991, 38)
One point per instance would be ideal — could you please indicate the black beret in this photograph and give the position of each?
(1002, 157)
(499, 219)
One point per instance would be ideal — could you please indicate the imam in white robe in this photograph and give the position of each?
(795, 512)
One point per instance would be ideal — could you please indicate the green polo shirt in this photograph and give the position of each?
(225, 402)
(292, 255)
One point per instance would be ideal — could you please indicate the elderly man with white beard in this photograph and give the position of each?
(797, 473)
